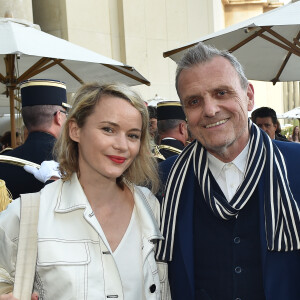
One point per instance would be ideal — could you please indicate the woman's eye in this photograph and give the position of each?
(134, 136)
(107, 129)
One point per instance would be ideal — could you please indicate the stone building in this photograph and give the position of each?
(137, 32)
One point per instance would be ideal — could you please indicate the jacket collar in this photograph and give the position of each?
(72, 197)
(149, 223)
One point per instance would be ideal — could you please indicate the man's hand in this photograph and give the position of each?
(48, 169)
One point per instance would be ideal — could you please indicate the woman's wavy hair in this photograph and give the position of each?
(294, 134)
(143, 170)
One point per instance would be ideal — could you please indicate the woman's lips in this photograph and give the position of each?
(117, 159)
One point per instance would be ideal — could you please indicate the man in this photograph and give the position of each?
(152, 111)
(44, 111)
(152, 121)
(229, 217)
(172, 129)
(266, 119)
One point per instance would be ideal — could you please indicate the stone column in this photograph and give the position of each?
(296, 94)
(19, 9)
(285, 97)
(291, 95)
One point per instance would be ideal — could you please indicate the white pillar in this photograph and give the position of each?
(19, 9)
(296, 94)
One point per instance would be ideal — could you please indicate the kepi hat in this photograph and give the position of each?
(43, 92)
(170, 110)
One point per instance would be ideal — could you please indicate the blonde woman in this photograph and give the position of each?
(97, 228)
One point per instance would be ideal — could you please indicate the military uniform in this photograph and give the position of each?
(39, 144)
(167, 148)
(37, 148)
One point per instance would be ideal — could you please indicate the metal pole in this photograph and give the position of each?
(12, 117)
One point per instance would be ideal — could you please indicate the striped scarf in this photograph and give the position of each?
(282, 216)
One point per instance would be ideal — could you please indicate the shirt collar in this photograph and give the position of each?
(168, 138)
(216, 165)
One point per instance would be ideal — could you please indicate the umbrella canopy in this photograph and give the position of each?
(26, 52)
(291, 114)
(36, 54)
(267, 45)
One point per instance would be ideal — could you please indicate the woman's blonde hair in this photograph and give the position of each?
(143, 170)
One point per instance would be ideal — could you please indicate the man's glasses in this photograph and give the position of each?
(62, 111)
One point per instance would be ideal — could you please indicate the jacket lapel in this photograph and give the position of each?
(183, 255)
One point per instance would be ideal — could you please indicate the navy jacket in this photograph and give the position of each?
(281, 270)
(37, 148)
(173, 143)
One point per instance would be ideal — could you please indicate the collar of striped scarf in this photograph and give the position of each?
(282, 218)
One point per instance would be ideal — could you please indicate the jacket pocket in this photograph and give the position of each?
(62, 269)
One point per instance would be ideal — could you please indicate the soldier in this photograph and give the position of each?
(172, 129)
(44, 111)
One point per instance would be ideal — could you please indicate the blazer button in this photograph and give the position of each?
(152, 288)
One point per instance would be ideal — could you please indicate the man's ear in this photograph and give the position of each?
(250, 95)
(58, 119)
(74, 131)
(182, 128)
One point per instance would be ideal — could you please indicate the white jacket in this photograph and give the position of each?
(73, 261)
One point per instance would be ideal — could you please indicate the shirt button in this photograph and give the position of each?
(152, 288)
(238, 270)
(236, 240)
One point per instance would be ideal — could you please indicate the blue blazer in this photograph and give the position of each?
(281, 270)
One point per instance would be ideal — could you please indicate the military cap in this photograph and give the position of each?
(170, 110)
(43, 92)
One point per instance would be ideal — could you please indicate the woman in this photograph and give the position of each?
(296, 135)
(96, 211)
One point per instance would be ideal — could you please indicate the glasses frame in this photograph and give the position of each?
(62, 111)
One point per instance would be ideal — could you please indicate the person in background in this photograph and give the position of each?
(98, 229)
(278, 132)
(296, 135)
(266, 119)
(44, 111)
(6, 142)
(153, 125)
(230, 214)
(172, 129)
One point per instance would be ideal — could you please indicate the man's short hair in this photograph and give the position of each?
(264, 112)
(39, 117)
(201, 54)
(164, 126)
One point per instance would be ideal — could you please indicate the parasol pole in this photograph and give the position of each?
(11, 85)
(12, 116)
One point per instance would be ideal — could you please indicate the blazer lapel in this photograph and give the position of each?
(184, 234)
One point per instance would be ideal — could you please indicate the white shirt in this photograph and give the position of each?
(230, 175)
(129, 259)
